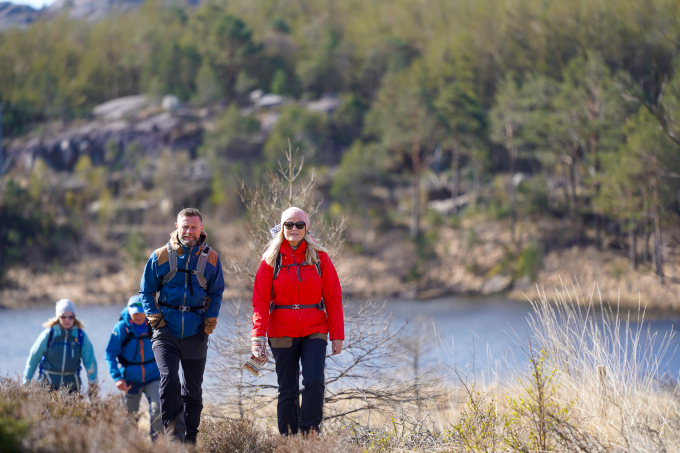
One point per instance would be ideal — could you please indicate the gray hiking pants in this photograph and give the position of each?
(152, 392)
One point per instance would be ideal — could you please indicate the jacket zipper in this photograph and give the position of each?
(298, 288)
(186, 282)
(63, 360)
(141, 351)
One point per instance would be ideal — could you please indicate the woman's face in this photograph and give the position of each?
(294, 235)
(67, 319)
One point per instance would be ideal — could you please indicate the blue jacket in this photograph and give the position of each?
(178, 291)
(137, 364)
(65, 343)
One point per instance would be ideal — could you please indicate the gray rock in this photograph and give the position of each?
(121, 107)
(170, 102)
(12, 15)
(496, 284)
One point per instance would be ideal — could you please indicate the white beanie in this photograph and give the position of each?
(64, 305)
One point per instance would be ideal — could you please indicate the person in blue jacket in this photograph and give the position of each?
(59, 350)
(132, 364)
(181, 291)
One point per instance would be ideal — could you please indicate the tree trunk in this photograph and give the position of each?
(645, 224)
(632, 253)
(572, 181)
(455, 178)
(511, 153)
(2, 154)
(415, 186)
(658, 257)
(476, 184)
(596, 186)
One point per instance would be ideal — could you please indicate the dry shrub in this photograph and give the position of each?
(47, 421)
(612, 368)
(228, 435)
(316, 444)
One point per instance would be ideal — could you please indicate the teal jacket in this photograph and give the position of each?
(64, 355)
(136, 357)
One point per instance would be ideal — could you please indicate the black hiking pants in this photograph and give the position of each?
(181, 399)
(311, 353)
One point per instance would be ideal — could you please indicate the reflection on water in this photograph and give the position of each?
(486, 327)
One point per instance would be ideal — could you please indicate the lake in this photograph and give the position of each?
(491, 327)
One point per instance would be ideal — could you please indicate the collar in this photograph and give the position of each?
(177, 245)
(286, 249)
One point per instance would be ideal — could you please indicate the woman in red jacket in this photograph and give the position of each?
(295, 282)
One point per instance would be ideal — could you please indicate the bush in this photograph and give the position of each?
(33, 418)
(529, 261)
(235, 436)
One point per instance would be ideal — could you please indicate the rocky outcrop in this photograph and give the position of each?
(12, 15)
(115, 127)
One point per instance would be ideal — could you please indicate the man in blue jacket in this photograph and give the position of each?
(132, 364)
(181, 292)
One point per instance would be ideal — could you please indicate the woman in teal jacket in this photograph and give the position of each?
(59, 350)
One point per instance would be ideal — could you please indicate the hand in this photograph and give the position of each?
(156, 320)
(123, 386)
(337, 346)
(259, 348)
(210, 324)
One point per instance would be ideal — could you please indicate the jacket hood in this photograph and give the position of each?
(177, 245)
(125, 314)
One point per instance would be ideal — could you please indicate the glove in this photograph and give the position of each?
(210, 324)
(156, 321)
(258, 347)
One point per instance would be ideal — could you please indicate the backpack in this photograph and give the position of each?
(198, 272)
(277, 269)
(50, 338)
(129, 336)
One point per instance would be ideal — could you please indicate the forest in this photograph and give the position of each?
(508, 109)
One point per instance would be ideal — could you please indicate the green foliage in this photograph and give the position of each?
(480, 426)
(307, 132)
(535, 413)
(529, 261)
(232, 135)
(27, 227)
(12, 428)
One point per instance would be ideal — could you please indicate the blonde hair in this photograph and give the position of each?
(273, 247)
(53, 321)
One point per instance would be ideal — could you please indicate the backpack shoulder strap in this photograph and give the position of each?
(318, 264)
(200, 266)
(127, 339)
(50, 337)
(172, 261)
(277, 265)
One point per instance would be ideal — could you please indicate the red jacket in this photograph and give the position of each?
(289, 291)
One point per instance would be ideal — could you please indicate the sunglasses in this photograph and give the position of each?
(298, 225)
(135, 304)
(67, 317)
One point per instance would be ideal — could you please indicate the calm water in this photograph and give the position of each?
(484, 326)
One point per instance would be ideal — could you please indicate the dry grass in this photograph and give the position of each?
(33, 419)
(612, 368)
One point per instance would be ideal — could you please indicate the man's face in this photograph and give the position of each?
(189, 230)
(138, 318)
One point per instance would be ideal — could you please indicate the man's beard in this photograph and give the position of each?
(188, 242)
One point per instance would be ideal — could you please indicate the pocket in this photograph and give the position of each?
(282, 342)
